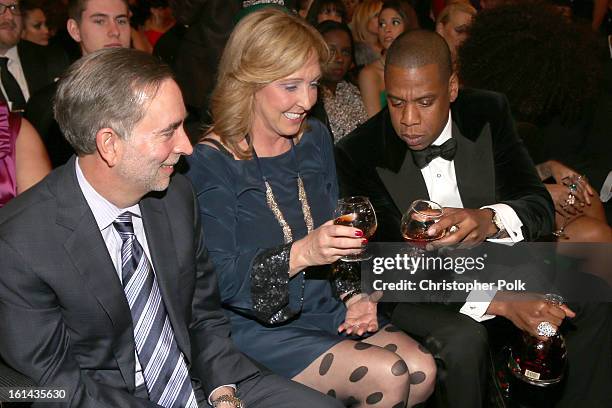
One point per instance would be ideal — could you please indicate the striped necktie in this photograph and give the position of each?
(164, 369)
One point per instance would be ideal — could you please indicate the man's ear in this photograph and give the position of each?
(453, 87)
(109, 145)
(73, 29)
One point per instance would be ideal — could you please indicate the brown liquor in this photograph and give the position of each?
(365, 222)
(538, 362)
(415, 228)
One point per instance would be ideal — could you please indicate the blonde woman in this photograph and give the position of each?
(453, 23)
(365, 32)
(265, 180)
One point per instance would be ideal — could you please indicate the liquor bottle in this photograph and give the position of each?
(537, 361)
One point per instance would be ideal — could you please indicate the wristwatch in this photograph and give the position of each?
(496, 220)
(228, 398)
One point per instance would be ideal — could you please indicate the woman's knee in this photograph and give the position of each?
(422, 374)
(390, 372)
(588, 229)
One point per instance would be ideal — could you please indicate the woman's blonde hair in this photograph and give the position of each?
(363, 12)
(455, 7)
(265, 46)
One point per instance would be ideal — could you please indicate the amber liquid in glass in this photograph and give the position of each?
(415, 230)
(367, 224)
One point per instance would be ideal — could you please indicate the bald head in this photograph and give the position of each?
(418, 48)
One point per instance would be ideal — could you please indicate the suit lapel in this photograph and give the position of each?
(400, 176)
(474, 168)
(159, 238)
(406, 185)
(87, 250)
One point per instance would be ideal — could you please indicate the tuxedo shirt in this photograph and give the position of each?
(491, 167)
(441, 182)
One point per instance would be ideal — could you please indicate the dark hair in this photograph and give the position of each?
(544, 64)
(29, 5)
(107, 88)
(327, 26)
(416, 48)
(77, 7)
(406, 12)
(318, 5)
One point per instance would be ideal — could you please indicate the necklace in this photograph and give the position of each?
(273, 204)
(280, 218)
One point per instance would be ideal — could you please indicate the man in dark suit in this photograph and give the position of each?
(460, 149)
(25, 67)
(106, 288)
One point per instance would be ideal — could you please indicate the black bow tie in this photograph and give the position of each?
(446, 151)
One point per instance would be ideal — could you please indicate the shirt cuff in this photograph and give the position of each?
(221, 386)
(477, 303)
(606, 189)
(511, 222)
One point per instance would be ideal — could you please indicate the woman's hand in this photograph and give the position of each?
(560, 194)
(576, 183)
(325, 245)
(361, 315)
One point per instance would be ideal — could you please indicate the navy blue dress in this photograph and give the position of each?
(238, 225)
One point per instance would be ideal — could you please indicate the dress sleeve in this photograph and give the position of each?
(253, 282)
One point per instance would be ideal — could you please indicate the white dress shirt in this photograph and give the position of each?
(105, 214)
(441, 182)
(14, 67)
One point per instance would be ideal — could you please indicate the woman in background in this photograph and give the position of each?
(34, 22)
(23, 159)
(326, 10)
(396, 16)
(341, 99)
(453, 23)
(265, 180)
(560, 98)
(157, 19)
(365, 32)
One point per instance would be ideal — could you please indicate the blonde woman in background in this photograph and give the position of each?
(453, 23)
(365, 32)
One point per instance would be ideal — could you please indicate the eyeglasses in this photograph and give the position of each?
(13, 8)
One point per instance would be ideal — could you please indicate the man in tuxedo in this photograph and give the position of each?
(25, 67)
(460, 149)
(93, 24)
(106, 290)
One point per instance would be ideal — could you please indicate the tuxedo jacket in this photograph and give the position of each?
(41, 65)
(64, 317)
(491, 166)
